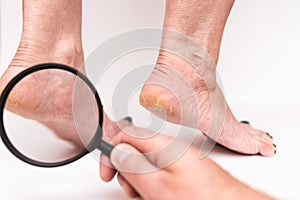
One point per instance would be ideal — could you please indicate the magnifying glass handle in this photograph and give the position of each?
(105, 148)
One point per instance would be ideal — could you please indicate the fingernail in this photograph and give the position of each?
(129, 119)
(275, 145)
(275, 151)
(269, 135)
(120, 154)
(244, 122)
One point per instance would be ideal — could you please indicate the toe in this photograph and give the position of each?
(265, 144)
(263, 136)
(119, 125)
(247, 140)
(267, 149)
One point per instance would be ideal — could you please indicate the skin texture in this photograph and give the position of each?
(199, 179)
(203, 22)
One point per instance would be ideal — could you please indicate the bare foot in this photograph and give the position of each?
(203, 22)
(236, 136)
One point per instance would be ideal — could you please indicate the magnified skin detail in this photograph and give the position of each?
(204, 22)
(50, 35)
(71, 112)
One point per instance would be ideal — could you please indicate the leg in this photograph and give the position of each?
(51, 33)
(204, 22)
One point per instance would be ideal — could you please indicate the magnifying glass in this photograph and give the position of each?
(51, 115)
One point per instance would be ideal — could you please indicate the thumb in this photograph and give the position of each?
(125, 158)
(135, 168)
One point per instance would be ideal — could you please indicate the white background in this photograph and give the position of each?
(259, 69)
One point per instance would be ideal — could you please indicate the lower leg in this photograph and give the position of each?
(202, 20)
(51, 33)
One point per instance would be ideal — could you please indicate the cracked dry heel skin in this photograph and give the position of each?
(185, 89)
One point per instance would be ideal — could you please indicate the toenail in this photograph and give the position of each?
(269, 135)
(275, 151)
(129, 119)
(275, 145)
(244, 122)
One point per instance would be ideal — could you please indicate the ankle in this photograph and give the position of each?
(65, 50)
(70, 52)
(199, 69)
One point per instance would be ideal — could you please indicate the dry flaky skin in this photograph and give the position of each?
(151, 102)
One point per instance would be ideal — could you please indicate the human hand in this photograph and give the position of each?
(139, 163)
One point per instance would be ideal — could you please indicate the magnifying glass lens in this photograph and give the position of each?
(50, 116)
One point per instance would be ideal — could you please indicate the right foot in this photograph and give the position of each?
(203, 23)
(157, 95)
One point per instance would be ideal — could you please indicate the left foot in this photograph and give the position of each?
(46, 96)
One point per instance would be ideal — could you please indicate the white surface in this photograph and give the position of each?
(259, 68)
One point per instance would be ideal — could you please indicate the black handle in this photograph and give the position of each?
(105, 148)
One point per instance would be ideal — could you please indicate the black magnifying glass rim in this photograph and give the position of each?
(95, 140)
